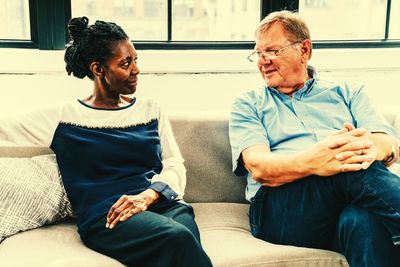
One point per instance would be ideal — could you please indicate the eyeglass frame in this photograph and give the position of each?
(275, 52)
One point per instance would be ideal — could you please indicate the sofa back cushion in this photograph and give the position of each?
(204, 144)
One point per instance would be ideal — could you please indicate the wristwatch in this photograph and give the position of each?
(391, 157)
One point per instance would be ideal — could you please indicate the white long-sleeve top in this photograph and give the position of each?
(104, 153)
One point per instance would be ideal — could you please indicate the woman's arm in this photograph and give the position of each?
(173, 173)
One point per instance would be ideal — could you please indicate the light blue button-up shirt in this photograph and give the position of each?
(293, 124)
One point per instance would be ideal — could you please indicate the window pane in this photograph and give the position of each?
(344, 19)
(141, 19)
(214, 20)
(394, 28)
(15, 23)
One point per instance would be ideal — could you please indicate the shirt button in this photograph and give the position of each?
(172, 197)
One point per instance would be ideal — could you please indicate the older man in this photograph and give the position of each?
(315, 154)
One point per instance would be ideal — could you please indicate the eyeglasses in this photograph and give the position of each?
(268, 54)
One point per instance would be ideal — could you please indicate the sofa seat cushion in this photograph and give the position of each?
(226, 237)
(56, 245)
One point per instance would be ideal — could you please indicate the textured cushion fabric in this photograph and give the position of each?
(24, 151)
(56, 245)
(204, 145)
(226, 237)
(31, 194)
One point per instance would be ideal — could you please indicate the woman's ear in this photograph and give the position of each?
(97, 69)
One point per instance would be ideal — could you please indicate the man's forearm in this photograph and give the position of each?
(276, 168)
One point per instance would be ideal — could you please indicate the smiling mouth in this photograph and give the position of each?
(133, 81)
(269, 72)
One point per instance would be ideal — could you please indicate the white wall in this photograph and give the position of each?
(183, 81)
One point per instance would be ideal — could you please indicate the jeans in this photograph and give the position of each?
(364, 240)
(167, 237)
(307, 213)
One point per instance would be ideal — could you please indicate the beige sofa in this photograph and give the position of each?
(217, 197)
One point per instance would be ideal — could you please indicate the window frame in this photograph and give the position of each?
(48, 20)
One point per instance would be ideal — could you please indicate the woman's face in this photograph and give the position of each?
(121, 71)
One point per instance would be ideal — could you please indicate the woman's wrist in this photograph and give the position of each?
(151, 195)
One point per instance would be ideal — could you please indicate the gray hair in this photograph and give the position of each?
(295, 27)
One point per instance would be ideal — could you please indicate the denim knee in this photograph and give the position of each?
(364, 240)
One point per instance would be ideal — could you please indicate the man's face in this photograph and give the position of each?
(285, 72)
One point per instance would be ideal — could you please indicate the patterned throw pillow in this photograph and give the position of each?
(31, 194)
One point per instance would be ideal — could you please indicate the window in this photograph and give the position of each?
(394, 30)
(204, 24)
(141, 19)
(212, 20)
(192, 20)
(345, 19)
(15, 23)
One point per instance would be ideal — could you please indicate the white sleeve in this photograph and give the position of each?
(35, 128)
(173, 172)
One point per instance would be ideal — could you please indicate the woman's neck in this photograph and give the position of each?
(105, 101)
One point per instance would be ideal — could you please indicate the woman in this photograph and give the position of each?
(120, 164)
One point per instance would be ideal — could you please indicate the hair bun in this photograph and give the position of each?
(76, 27)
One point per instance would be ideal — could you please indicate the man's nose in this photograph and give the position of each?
(264, 60)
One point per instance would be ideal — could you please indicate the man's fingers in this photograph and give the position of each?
(338, 142)
(348, 126)
(357, 132)
(341, 131)
(345, 155)
(366, 164)
(356, 145)
(351, 167)
(359, 159)
(345, 136)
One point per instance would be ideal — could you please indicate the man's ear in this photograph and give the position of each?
(97, 69)
(306, 50)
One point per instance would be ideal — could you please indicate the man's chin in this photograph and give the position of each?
(270, 83)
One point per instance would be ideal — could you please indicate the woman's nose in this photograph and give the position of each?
(135, 69)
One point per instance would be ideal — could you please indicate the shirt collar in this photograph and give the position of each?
(308, 86)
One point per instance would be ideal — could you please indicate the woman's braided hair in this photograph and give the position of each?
(89, 44)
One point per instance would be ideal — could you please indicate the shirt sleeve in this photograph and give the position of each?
(366, 115)
(171, 182)
(35, 128)
(245, 130)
